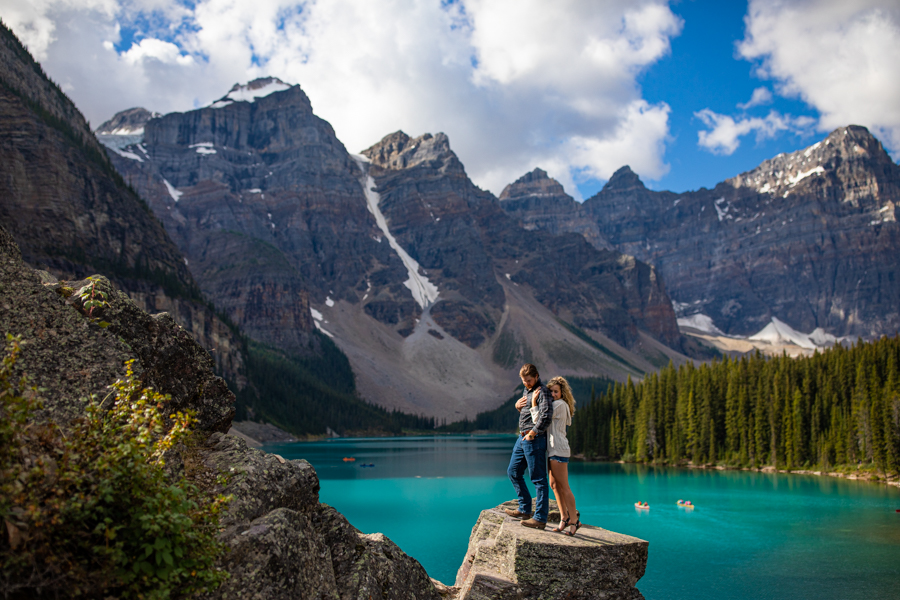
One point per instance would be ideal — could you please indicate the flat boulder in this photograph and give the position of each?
(506, 560)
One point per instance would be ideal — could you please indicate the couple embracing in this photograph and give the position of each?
(544, 413)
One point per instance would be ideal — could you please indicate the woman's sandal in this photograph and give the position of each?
(562, 526)
(577, 526)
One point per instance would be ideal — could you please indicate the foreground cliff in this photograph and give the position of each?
(282, 542)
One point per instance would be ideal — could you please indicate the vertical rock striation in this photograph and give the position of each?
(540, 202)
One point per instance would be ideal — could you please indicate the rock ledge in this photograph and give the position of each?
(507, 561)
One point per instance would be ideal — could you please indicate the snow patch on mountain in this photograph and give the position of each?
(700, 322)
(126, 154)
(800, 176)
(253, 90)
(779, 332)
(317, 317)
(423, 291)
(172, 191)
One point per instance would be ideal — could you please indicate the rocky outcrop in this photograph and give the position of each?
(540, 202)
(72, 215)
(71, 356)
(809, 238)
(282, 543)
(507, 561)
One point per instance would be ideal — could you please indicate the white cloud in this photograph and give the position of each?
(725, 133)
(164, 52)
(514, 83)
(839, 56)
(760, 96)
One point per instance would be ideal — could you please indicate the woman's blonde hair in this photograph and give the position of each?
(565, 392)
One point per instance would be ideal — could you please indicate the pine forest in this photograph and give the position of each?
(833, 409)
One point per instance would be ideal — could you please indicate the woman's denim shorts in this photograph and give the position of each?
(562, 459)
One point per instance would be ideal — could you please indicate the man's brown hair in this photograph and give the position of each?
(529, 370)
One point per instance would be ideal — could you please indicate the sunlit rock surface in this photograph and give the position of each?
(506, 560)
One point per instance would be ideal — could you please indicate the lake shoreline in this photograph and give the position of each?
(892, 480)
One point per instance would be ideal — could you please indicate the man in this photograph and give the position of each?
(531, 450)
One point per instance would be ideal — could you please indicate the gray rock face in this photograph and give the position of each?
(72, 357)
(276, 221)
(809, 237)
(505, 560)
(540, 202)
(284, 544)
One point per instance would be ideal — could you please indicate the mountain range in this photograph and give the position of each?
(807, 241)
(437, 290)
(390, 276)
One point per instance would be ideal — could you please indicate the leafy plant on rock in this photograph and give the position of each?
(91, 511)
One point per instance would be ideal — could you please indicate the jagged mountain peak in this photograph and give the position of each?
(399, 151)
(624, 180)
(127, 122)
(531, 176)
(533, 183)
(850, 148)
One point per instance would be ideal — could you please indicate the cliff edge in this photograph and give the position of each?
(505, 560)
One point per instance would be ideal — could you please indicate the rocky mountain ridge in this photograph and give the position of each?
(808, 239)
(396, 254)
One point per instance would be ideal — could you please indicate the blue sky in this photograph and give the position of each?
(576, 87)
(704, 71)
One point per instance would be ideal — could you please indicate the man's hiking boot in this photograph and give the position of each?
(534, 524)
(516, 514)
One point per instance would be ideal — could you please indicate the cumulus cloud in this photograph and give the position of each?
(725, 133)
(839, 56)
(514, 83)
(760, 96)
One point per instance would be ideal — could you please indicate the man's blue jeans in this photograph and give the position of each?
(532, 454)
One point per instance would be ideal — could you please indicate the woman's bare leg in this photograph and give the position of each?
(557, 468)
(561, 475)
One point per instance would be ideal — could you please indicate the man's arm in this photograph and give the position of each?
(545, 412)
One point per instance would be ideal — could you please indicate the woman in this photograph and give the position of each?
(558, 452)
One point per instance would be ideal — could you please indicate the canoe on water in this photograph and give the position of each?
(643, 506)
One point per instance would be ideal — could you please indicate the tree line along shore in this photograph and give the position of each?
(836, 409)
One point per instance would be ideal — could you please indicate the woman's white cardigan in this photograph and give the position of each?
(557, 442)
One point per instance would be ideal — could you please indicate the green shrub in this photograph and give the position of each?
(91, 511)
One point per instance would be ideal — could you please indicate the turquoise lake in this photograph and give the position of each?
(752, 535)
